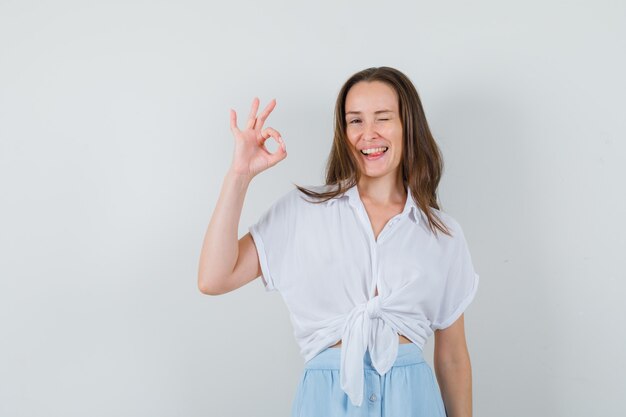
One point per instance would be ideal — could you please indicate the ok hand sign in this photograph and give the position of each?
(251, 156)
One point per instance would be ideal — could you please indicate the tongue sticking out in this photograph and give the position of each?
(375, 155)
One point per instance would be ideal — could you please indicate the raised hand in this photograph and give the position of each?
(251, 156)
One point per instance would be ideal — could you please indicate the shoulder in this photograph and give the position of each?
(450, 221)
(302, 198)
(456, 230)
(294, 199)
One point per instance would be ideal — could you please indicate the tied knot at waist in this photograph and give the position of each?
(369, 327)
(373, 307)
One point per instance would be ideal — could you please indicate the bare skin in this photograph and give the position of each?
(454, 369)
(401, 339)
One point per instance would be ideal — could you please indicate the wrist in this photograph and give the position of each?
(238, 177)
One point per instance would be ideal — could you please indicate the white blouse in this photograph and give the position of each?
(325, 262)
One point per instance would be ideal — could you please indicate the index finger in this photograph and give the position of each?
(264, 115)
(252, 115)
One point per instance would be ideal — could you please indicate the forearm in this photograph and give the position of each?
(220, 247)
(455, 383)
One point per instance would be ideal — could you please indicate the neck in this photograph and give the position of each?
(383, 190)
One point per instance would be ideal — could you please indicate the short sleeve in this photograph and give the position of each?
(271, 234)
(461, 283)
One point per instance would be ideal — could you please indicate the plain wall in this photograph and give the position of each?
(115, 139)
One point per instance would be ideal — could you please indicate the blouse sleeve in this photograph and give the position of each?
(461, 283)
(271, 234)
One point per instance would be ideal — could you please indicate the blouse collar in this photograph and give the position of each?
(354, 199)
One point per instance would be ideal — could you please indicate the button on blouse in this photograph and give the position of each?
(326, 263)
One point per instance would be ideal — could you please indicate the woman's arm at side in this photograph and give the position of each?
(225, 262)
(453, 369)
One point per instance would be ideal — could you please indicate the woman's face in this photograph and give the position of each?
(373, 121)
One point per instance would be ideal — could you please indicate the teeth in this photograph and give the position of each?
(373, 150)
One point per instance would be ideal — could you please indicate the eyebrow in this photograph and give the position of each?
(376, 112)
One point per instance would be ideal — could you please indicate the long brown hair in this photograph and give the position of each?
(422, 162)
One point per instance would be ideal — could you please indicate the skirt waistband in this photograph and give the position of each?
(330, 358)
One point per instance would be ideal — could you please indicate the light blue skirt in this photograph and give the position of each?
(408, 389)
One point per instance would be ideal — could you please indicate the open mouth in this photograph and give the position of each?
(374, 153)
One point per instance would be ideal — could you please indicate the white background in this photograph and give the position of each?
(115, 140)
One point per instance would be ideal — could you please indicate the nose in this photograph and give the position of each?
(369, 131)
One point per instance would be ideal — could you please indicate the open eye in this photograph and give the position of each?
(354, 121)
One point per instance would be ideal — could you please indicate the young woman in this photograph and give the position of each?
(367, 264)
